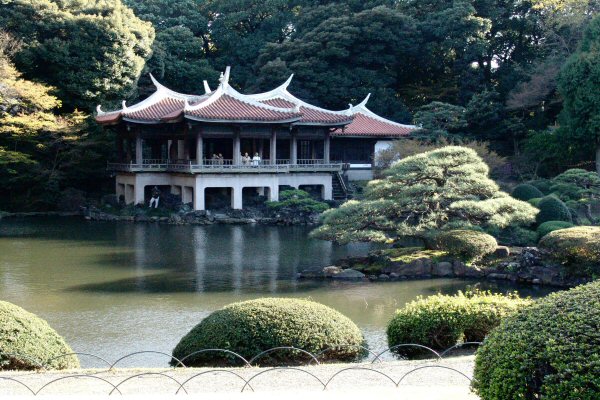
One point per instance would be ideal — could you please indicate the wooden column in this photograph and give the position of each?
(139, 156)
(236, 147)
(293, 148)
(273, 147)
(199, 148)
(326, 148)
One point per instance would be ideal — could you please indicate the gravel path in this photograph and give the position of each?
(429, 380)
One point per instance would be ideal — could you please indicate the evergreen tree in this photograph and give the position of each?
(440, 189)
(579, 84)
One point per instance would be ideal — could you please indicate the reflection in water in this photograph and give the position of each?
(113, 288)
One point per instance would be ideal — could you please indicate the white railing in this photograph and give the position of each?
(222, 166)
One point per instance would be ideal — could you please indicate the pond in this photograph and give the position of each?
(115, 288)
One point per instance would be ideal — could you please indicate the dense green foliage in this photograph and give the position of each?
(551, 226)
(27, 341)
(553, 209)
(443, 188)
(297, 201)
(250, 327)
(526, 192)
(467, 244)
(578, 84)
(548, 350)
(442, 321)
(93, 52)
(483, 71)
(42, 153)
(578, 248)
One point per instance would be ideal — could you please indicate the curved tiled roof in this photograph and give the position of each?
(367, 123)
(311, 115)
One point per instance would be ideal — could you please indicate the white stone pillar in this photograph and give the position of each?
(326, 148)
(236, 148)
(139, 152)
(139, 193)
(293, 149)
(199, 149)
(273, 147)
(236, 197)
(327, 191)
(274, 193)
(199, 202)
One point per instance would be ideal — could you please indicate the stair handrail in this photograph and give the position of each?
(342, 183)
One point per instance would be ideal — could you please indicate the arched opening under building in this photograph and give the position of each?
(315, 191)
(217, 198)
(254, 196)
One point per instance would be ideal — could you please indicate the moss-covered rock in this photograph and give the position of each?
(548, 350)
(253, 326)
(466, 244)
(526, 192)
(578, 248)
(442, 321)
(28, 342)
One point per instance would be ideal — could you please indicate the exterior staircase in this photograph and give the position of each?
(340, 187)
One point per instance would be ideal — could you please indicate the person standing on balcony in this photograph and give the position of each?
(256, 160)
(245, 159)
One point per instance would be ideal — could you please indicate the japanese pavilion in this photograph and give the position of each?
(195, 144)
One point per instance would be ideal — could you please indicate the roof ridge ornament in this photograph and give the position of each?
(364, 102)
(224, 78)
(124, 106)
(285, 84)
(99, 110)
(206, 87)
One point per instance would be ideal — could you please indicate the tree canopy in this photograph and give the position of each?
(441, 189)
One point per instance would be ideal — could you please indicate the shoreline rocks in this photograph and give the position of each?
(529, 266)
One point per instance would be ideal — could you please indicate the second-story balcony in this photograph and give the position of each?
(227, 166)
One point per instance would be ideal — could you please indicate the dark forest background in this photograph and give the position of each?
(522, 76)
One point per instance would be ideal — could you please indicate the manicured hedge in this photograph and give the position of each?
(525, 192)
(550, 226)
(442, 321)
(467, 244)
(26, 341)
(553, 209)
(253, 326)
(578, 248)
(546, 351)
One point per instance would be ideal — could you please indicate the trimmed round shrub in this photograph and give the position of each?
(578, 248)
(553, 209)
(442, 321)
(548, 350)
(551, 226)
(526, 192)
(535, 201)
(514, 236)
(467, 244)
(543, 185)
(27, 341)
(253, 326)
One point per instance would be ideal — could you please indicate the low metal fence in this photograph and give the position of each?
(433, 360)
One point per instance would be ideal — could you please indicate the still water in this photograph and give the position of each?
(116, 288)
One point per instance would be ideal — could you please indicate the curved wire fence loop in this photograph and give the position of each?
(283, 369)
(146, 352)
(433, 366)
(7, 378)
(39, 364)
(146, 374)
(76, 376)
(79, 354)
(213, 371)
(216, 350)
(319, 354)
(359, 369)
(271, 350)
(456, 346)
(389, 349)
